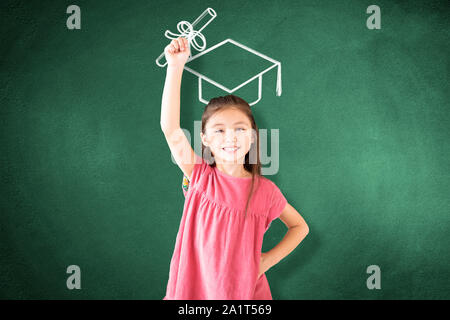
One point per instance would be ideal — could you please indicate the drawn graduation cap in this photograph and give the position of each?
(228, 65)
(239, 66)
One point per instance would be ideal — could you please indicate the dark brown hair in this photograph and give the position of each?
(232, 101)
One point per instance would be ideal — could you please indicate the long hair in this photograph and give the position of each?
(232, 101)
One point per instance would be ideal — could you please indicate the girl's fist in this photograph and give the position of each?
(177, 52)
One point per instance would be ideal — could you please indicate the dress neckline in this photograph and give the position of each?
(228, 176)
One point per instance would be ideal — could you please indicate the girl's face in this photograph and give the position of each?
(229, 134)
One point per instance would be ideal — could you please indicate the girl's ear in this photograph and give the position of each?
(204, 140)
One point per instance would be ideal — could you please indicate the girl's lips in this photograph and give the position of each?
(230, 150)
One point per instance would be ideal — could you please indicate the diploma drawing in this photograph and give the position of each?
(187, 30)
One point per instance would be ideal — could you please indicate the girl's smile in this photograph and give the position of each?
(231, 150)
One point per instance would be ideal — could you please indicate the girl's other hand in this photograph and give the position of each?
(177, 52)
(264, 264)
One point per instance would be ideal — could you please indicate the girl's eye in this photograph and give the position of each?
(221, 131)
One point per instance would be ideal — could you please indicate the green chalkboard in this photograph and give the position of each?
(363, 120)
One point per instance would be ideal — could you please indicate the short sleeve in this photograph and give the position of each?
(278, 203)
(199, 168)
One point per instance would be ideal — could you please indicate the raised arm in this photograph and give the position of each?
(177, 53)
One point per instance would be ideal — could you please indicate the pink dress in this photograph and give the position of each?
(217, 251)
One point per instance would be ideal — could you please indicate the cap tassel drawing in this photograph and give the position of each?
(230, 49)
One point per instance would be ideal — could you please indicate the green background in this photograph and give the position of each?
(364, 121)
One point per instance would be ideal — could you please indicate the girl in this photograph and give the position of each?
(228, 204)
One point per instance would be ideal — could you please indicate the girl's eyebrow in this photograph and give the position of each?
(221, 124)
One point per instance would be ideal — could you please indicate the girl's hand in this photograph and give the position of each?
(264, 264)
(177, 52)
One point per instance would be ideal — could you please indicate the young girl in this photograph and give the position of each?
(228, 204)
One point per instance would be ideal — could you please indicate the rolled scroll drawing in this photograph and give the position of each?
(195, 38)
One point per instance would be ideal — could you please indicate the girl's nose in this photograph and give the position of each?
(230, 135)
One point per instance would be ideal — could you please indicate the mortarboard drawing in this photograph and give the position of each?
(244, 65)
(238, 57)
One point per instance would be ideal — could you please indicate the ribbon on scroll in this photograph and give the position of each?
(195, 38)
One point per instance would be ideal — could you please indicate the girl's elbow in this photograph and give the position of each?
(305, 229)
(302, 228)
